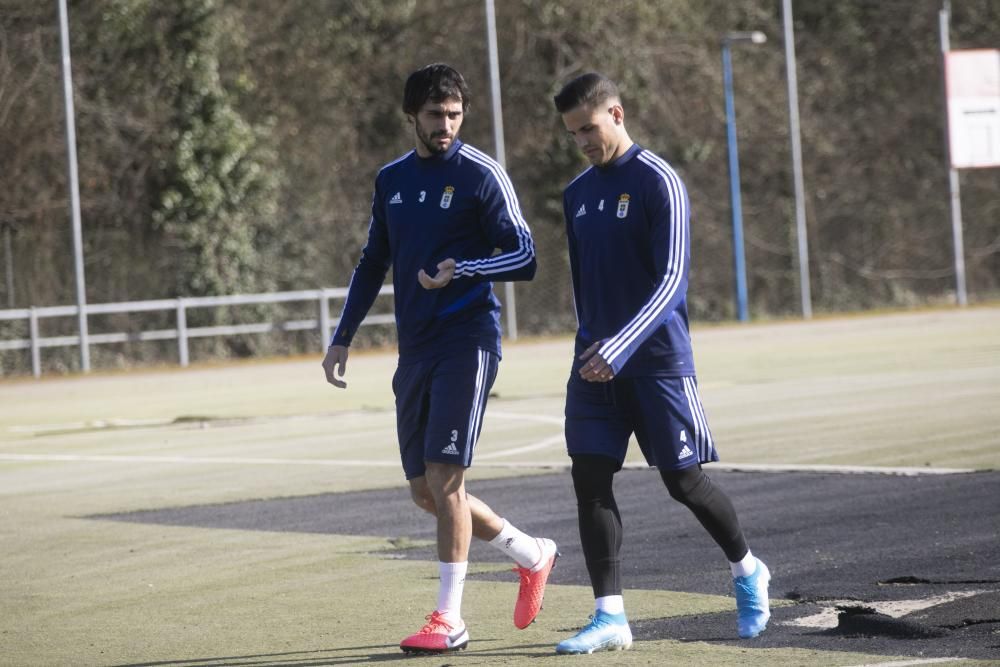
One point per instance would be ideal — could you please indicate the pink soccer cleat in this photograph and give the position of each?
(533, 580)
(437, 636)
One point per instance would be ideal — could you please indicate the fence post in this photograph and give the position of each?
(324, 319)
(182, 337)
(36, 357)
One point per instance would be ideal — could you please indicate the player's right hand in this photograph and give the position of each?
(336, 358)
(596, 369)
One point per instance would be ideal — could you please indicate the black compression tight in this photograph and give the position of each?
(710, 505)
(600, 522)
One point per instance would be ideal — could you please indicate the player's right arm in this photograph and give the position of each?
(574, 261)
(335, 359)
(365, 285)
(594, 368)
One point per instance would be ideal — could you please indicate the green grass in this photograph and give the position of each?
(889, 390)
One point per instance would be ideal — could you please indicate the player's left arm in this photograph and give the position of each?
(506, 229)
(668, 213)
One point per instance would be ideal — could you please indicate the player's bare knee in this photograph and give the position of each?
(424, 502)
(421, 495)
(446, 481)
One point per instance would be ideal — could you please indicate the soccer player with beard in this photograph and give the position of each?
(633, 371)
(439, 213)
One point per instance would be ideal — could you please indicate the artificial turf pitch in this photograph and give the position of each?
(266, 522)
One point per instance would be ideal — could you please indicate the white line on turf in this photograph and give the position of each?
(225, 460)
(912, 471)
(484, 459)
(541, 444)
(95, 425)
(908, 663)
(117, 422)
(544, 465)
(525, 416)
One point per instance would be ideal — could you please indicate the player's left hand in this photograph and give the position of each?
(445, 272)
(596, 369)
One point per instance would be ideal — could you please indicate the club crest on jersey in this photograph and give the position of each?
(622, 206)
(449, 191)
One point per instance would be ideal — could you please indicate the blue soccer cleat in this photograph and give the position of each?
(752, 611)
(605, 632)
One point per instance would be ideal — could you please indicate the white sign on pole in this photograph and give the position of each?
(973, 84)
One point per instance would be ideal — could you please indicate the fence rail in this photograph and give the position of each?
(323, 323)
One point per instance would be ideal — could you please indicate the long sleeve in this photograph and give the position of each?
(368, 276)
(574, 268)
(504, 226)
(667, 204)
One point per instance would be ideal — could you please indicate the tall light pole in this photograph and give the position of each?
(802, 241)
(74, 189)
(739, 262)
(954, 184)
(491, 45)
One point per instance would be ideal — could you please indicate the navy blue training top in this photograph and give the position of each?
(629, 250)
(459, 204)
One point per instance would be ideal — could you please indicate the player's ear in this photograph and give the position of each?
(618, 114)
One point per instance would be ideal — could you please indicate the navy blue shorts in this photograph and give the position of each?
(665, 414)
(440, 406)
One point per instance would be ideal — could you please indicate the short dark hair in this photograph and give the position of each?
(590, 89)
(436, 82)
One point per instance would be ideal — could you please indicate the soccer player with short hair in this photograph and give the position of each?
(633, 369)
(439, 213)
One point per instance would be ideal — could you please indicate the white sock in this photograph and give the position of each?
(745, 567)
(610, 604)
(522, 548)
(451, 587)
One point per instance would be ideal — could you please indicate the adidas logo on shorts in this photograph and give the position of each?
(686, 452)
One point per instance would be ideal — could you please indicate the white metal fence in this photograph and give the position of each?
(323, 324)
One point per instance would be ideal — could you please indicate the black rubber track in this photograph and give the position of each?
(864, 538)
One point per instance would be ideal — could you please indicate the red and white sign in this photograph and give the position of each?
(973, 84)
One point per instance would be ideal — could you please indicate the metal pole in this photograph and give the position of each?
(8, 264)
(954, 185)
(793, 130)
(182, 334)
(324, 320)
(74, 189)
(36, 354)
(491, 41)
(739, 262)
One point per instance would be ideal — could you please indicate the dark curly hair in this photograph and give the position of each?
(436, 82)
